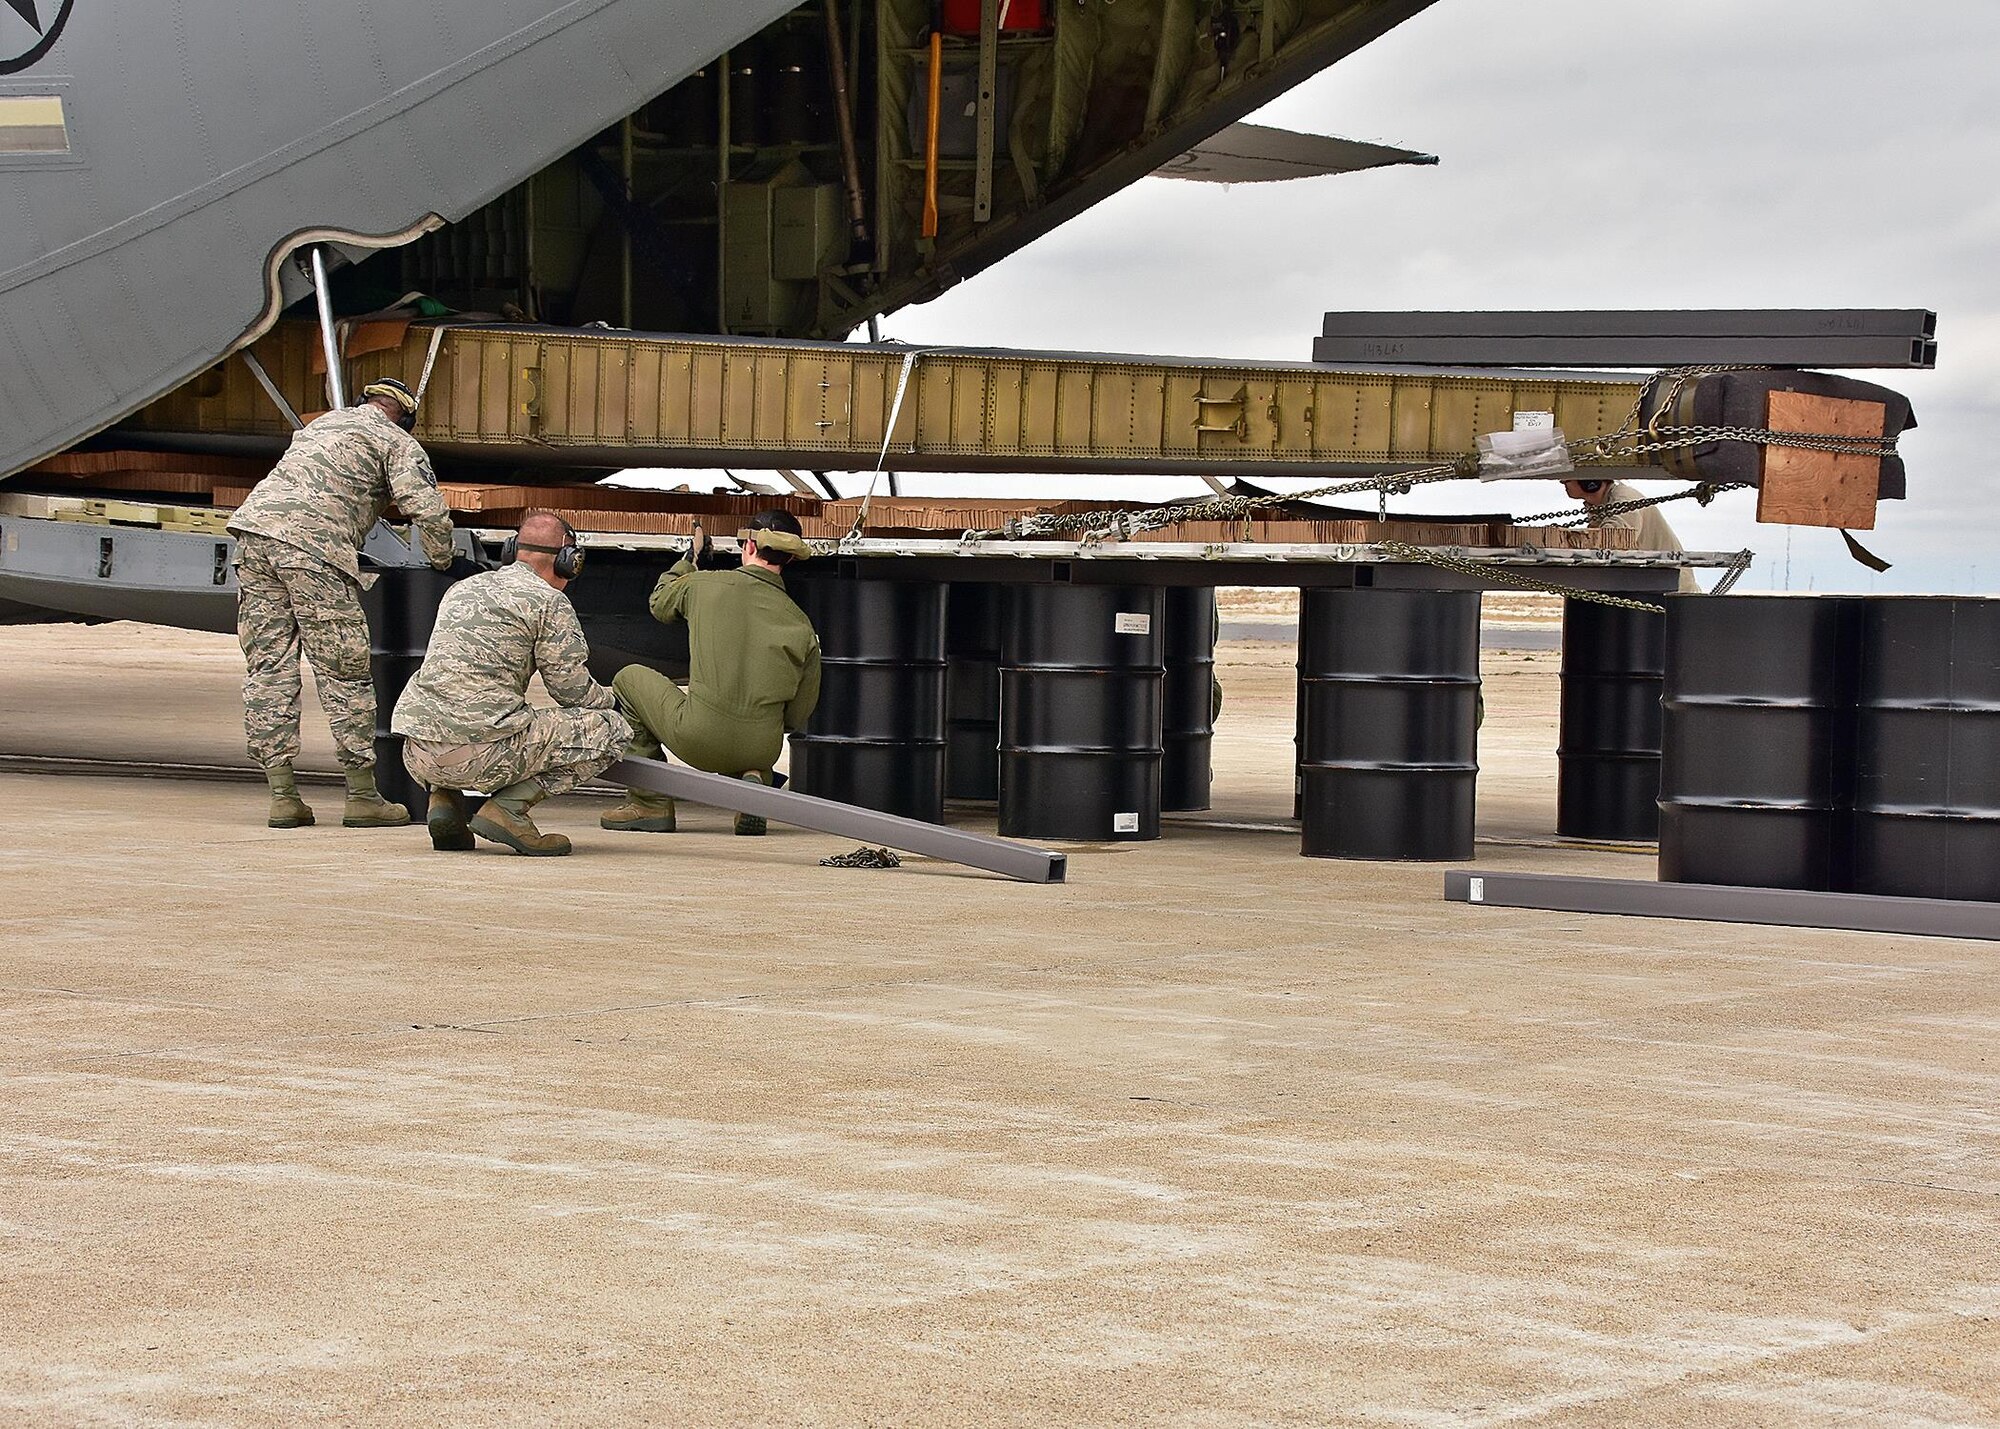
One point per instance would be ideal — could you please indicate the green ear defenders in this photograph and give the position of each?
(569, 555)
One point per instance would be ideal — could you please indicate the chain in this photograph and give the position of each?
(1703, 492)
(1122, 525)
(1738, 565)
(1624, 443)
(862, 858)
(1494, 571)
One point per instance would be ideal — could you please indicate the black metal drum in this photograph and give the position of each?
(1081, 678)
(877, 738)
(1188, 719)
(1614, 664)
(402, 609)
(1927, 745)
(1755, 770)
(972, 691)
(1388, 721)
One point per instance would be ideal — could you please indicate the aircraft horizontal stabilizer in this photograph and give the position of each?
(1258, 154)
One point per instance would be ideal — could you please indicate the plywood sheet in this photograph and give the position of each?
(1809, 488)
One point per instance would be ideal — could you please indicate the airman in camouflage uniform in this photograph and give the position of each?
(1654, 532)
(465, 718)
(300, 588)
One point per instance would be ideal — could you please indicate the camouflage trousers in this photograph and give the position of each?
(289, 601)
(559, 749)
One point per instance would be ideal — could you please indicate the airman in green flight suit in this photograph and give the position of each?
(754, 671)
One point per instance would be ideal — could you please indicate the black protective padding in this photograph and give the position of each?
(1739, 399)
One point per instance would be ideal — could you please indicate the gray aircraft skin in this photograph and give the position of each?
(163, 165)
(200, 143)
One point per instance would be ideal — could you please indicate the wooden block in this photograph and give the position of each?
(1808, 488)
(181, 518)
(129, 462)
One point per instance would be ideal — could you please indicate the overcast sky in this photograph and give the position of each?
(1601, 154)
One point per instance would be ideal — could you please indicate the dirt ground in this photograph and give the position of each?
(322, 1126)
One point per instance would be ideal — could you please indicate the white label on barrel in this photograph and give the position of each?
(1125, 823)
(1125, 623)
(1475, 890)
(1534, 421)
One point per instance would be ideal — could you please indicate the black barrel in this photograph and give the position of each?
(687, 114)
(1614, 663)
(1188, 721)
(972, 691)
(1081, 677)
(1927, 741)
(745, 80)
(794, 74)
(1389, 715)
(402, 608)
(1754, 774)
(877, 738)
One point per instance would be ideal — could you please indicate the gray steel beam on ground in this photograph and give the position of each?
(1714, 903)
(1693, 322)
(1002, 856)
(1844, 351)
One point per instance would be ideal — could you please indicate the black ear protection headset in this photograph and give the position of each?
(1591, 487)
(569, 555)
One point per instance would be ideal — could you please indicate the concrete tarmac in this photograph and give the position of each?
(320, 1126)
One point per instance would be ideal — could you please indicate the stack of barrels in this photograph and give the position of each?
(1836, 743)
(1082, 709)
(1082, 680)
(402, 607)
(877, 739)
(1388, 723)
(974, 612)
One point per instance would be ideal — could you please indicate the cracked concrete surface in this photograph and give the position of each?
(322, 1126)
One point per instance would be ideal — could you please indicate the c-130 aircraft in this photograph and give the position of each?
(760, 167)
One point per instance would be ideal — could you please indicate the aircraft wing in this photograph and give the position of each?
(159, 162)
(1258, 154)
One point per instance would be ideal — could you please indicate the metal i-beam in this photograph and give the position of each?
(1713, 903)
(545, 396)
(1002, 856)
(1772, 337)
(1660, 322)
(1846, 353)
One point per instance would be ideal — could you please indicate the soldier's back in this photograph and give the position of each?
(330, 487)
(474, 679)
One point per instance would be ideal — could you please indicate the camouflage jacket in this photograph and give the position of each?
(341, 473)
(494, 631)
(1654, 533)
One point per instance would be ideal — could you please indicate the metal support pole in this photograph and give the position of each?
(336, 379)
(271, 388)
(1013, 860)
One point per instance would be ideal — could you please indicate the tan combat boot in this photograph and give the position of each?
(752, 825)
(366, 808)
(288, 810)
(504, 820)
(640, 814)
(445, 818)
